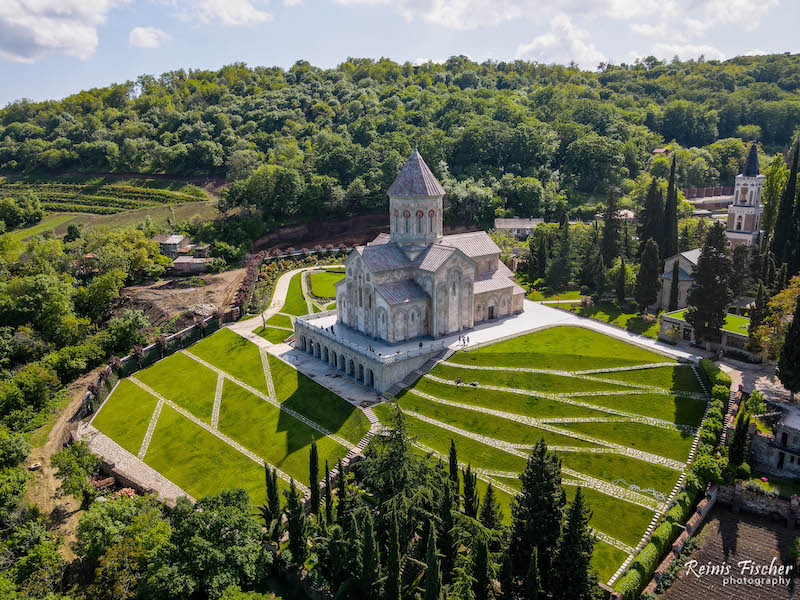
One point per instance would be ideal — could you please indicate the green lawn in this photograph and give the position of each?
(277, 437)
(125, 415)
(184, 381)
(279, 321)
(322, 284)
(664, 442)
(199, 462)
(541, 382)
(295, 303)
(272, 335)
(610, 467)
(330, 306)
(531, 406)
(488, 425)
(606, 560)
(678, 378)
(629, 318)
(733, 323)
(686, 411)
(608, 517)
(319, 404)
(233, 354)
(49, 223)
(538, 296)
(563, 348)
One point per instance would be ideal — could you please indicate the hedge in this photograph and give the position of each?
(646, 562)
(715, 375)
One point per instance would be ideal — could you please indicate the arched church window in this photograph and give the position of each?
(739, 223)
(407, 216)
(454, 288)
(419, 221)
(430, 218)
(360, 297)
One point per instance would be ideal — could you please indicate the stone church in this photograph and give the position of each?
(414, 281)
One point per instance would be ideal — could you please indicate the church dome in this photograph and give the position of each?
(416, 179)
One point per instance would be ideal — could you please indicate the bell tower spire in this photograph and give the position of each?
(415, 203)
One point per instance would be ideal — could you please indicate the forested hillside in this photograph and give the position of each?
(507, 138)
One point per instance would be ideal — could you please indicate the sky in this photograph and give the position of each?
(52, 48)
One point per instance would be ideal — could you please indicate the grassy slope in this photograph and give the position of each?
(564, 348)
(678, 378)
(125, 415)
(609, 312)
(733, 323)
(233, 354)
(184, 381)
(295, 303)
(687, 411)
(272, 335)
(279, 321)
(322, 283)
(672, 444)
(610, 467)
(199, 462)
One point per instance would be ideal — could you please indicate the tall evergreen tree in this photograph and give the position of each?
(710, 298)
(648, 282)
(782, 278)
(651, 218)
(757, 316)
(454, 470)
(391, 587)
(541, 256)
(559, 271)
(470, 493)
(481, 570)
(774, 181)
(313, 477)
(671, 216)
(296, 525)
(609, 245)
(447, 546)
(685, 239)
(783, 235)
(272, 511)
(433, 576)
(741, 439)
(789, 361)
(700, 233)
(328, 495)
(627, 243)
(536, 512)
(343, 504)
(599, 275)
(370, 560)
(507, 575)
(675, 285)
(621, 283)
(533, 583)
(754, 263)
(490, 515)
(738, 273)
(574, 578)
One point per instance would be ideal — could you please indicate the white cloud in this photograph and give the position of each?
(147, 37)
(648, 30)
(686, 51)
(755, 52)
(32, 29)
(744, 13)
(564, 42)
(226, 12)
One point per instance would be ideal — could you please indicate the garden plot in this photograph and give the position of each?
(280, 326)
(621, 418)
(210, 417)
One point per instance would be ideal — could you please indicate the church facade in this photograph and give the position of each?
(409, 288)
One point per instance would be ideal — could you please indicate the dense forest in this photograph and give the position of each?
(507, 138)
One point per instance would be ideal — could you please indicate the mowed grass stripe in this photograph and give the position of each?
(272, 335)
(680, 378)
(279, 321)
(531, 406)
(295, 303)
(563, 348)
(656, 440)
(298, 392)
(606, 559)
(677, 409)
(235, 355)
(610, 467)
(322, 284)
(199, 462)
(621, 520)
(469, 451)
(124, 417)
(486, 425)
(535, 382)
(274, 435)
(184, 381)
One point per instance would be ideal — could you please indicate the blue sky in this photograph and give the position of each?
(52, 48)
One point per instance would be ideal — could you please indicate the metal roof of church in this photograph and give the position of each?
(751, 166)
(434, 257)
(384, 257)
(416, 179)
(476, 243)
(401, 292)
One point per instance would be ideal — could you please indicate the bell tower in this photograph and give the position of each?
(746, 211)
(415, 204)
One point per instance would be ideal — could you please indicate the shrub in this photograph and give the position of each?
(760, 487)
(715, 375)
(684, 502)
(646, 562)
(755, 403)
(586, 302)
(721, 393)
(714, 413)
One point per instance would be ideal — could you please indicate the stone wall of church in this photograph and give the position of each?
(417, 220)
(493, 305)
(451, 291)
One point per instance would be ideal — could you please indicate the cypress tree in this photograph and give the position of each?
(685, 239)
(700, 233)
(453, 460)
(446, 543)
(710, 298)
(648, 281)
(783, 235)
(651, 219)
(599, 275)
(391, 589)
(757, 315)
(342, 505)
(273, 494)
(620, 289)
(754, 262)
(541, 256)
(532, 583)
(481, 570)
(627, 246)
(782, 278)
(328, 495)
(575, 579)
(536, 512)
(767, 267)
(507, 575)
(738, 273)
(490, 515)
(370, 559)
(470, 493)
(674, 286)
(313, 477)
(433, 575)
(609, 246)
(296, 525)
(559, 271)
(671, 216)
(789, 361)
(741, 439)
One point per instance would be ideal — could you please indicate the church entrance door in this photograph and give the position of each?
(491, 312)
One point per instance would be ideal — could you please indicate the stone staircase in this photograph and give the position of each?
(415, 375)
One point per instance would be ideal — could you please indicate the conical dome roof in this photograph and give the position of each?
(751, 166)
(416, 179)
